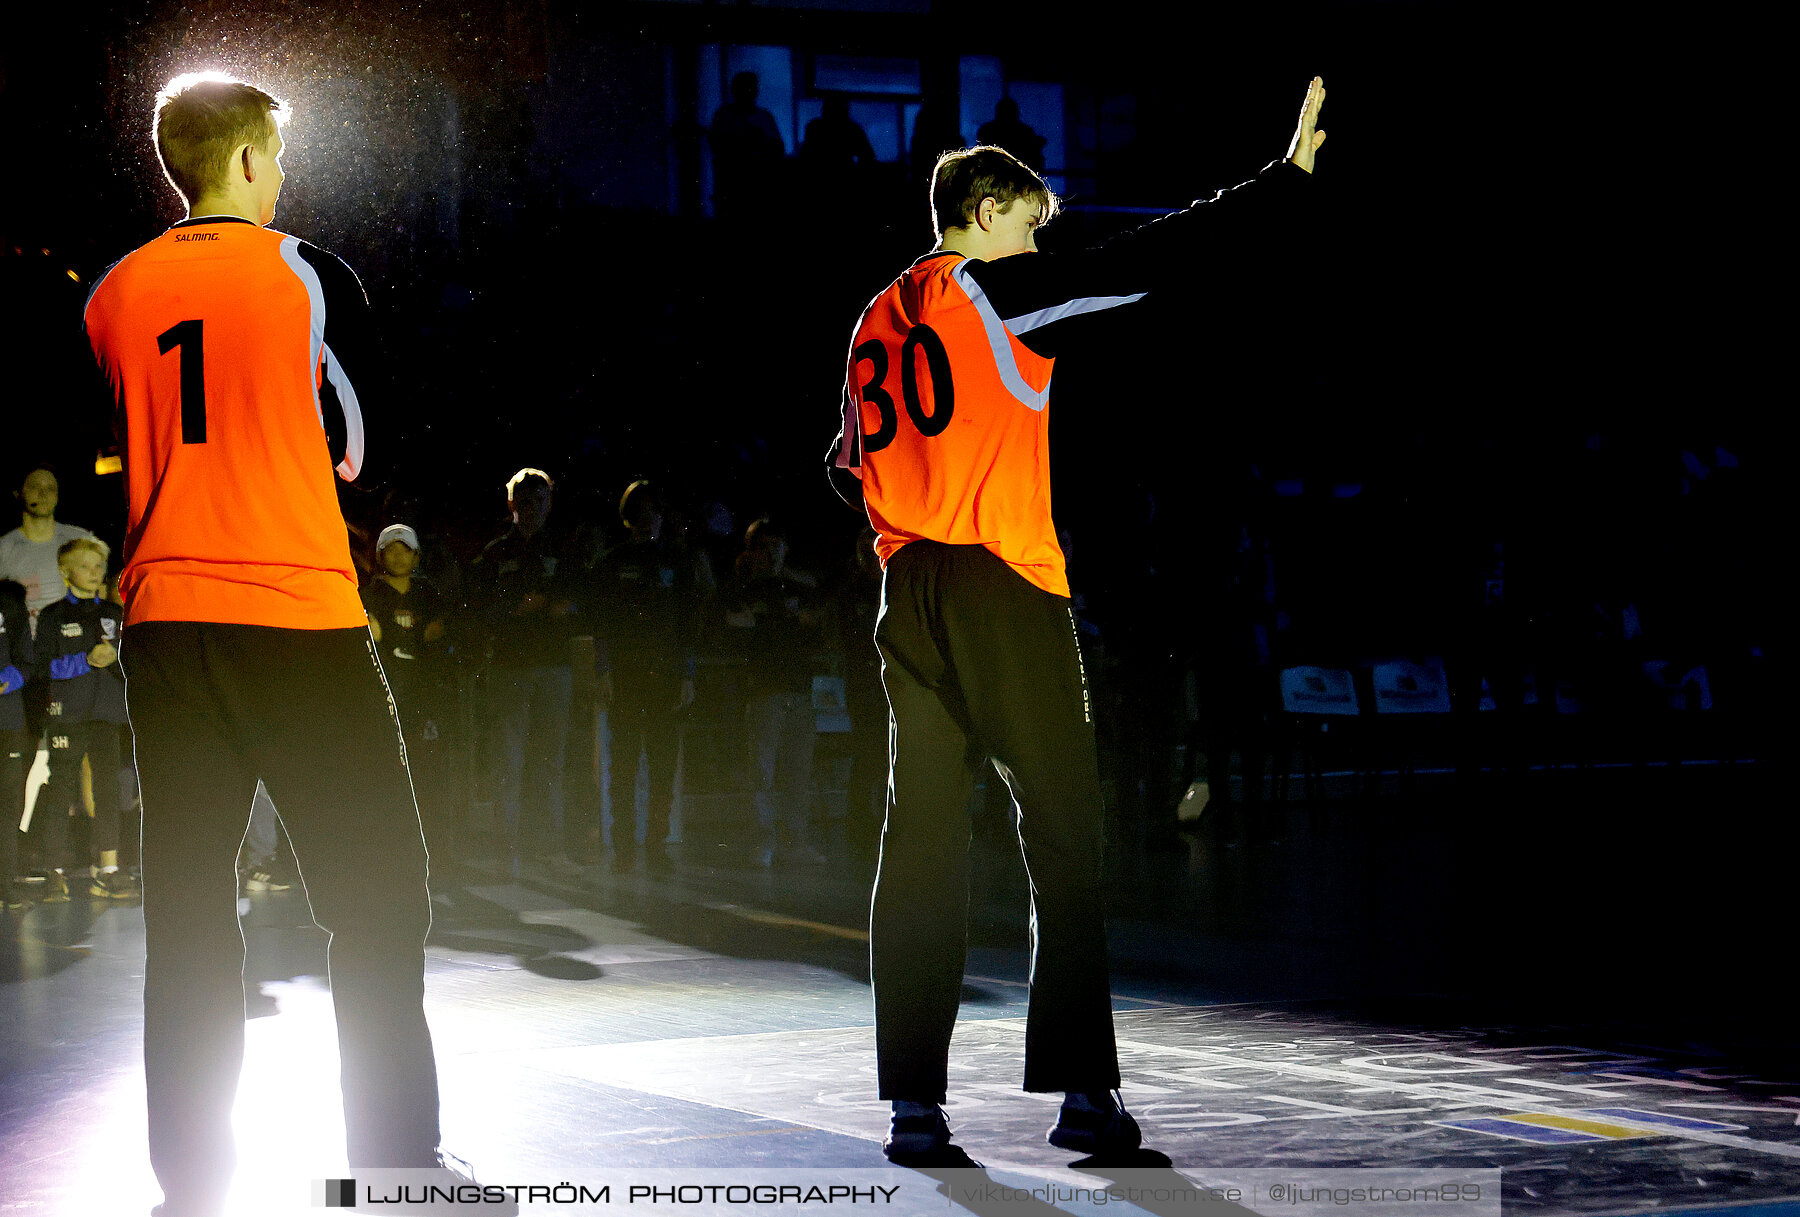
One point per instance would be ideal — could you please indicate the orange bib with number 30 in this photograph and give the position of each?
(951, 414)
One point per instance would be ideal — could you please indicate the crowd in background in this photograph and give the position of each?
(520, 664)
(539, 653)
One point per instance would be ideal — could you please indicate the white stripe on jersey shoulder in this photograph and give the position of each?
(315, 292)
(351, 465)
(1024, 323)
(998, 343)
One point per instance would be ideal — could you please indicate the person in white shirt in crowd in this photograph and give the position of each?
(28, 552)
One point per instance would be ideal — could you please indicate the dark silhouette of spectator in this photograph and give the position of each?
(522, 599)
(407, 616)
(858, 603)
(1005, 130)
(778, 616)
(1234, 682)
(1486, 645)
(746, 148)
(1138, 681)
(936, 130)
(835, 143)
(716, 540)
(646, 596)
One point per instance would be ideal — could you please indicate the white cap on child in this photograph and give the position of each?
(398, 532)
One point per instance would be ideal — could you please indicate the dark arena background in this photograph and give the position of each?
(1423, 561)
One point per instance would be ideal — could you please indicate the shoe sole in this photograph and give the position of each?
(949, 1156)
(1083, 1142)
(912, 1147)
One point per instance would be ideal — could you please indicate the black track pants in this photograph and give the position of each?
(979, 663)
(213, 708)
(642, 718)
(69, 742)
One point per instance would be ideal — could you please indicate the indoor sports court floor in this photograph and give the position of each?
(1292, 1003)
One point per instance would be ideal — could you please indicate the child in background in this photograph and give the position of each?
(77, 647)
(406, 616)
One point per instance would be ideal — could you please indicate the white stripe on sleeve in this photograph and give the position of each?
(999, 343)
(351, 465)
(1024, 323)
(315, 292)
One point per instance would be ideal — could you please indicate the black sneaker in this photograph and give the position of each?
(56, 889)
(924, 1141)
(1110, 1130)
(911, 1136)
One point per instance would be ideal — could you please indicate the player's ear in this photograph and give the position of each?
(246, 161)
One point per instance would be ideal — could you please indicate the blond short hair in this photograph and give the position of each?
(201, 119)
(80, 544)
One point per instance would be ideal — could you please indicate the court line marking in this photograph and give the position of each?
(1473, 1096)
(1469, 1095)
(763, 917)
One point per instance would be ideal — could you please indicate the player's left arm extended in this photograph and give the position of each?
(1211, 246)
(1208, 247)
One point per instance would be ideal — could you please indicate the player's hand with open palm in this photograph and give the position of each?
(1307, 136)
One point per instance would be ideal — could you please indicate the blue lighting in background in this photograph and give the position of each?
(774, 68)
(980, 84)
(866, 74)
(982, 81)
